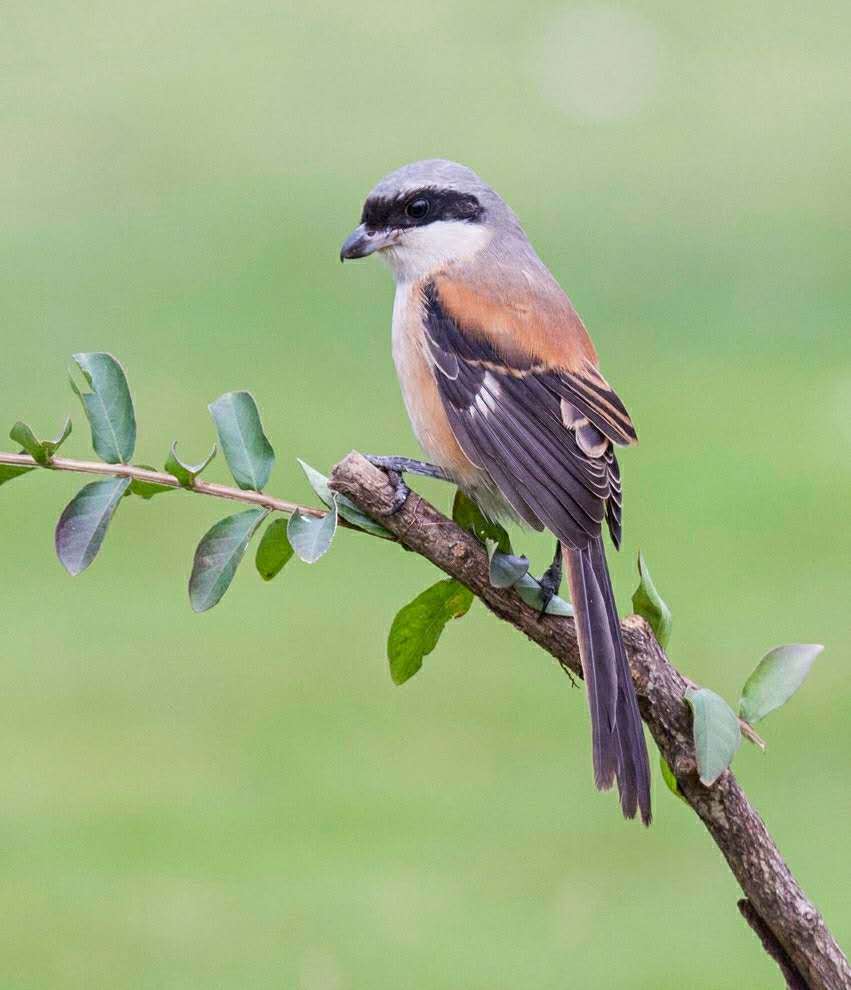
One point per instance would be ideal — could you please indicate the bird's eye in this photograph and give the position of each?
(418, 208)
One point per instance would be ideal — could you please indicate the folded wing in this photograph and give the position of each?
(542, 427)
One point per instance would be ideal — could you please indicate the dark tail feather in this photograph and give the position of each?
(618, 738)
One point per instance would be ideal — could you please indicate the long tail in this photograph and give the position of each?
(618, 738)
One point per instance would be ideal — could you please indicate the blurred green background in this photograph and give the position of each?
(243, 799)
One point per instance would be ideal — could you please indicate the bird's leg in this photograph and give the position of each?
(396, 467)
(551, 580)
(407, 464)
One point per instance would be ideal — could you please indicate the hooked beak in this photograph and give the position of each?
(363, 241)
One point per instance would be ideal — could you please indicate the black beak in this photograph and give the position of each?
(363, 241)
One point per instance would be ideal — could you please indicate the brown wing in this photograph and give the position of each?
(542, 428)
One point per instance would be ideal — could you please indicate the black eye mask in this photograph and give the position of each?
(381, 213)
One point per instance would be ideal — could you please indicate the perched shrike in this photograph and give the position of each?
(503, 389)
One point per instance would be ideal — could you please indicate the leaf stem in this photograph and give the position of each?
(751, 734)
(162, 478)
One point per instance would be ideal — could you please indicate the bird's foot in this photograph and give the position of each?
(550, 581)
(396, 467)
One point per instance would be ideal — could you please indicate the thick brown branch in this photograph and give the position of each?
(734, 825)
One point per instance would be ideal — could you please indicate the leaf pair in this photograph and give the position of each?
(109, 409)
(717, 732)
(40, 450)
(186, 473)
(108, 406)
(221, 549)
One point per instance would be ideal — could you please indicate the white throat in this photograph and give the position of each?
(422, 250)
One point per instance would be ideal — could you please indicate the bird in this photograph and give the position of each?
(502, 385)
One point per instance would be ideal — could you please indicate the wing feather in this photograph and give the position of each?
(542, 432)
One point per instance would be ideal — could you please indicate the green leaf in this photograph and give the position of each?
(218, 555)
(186, 473)
(530, 591)
(717, 735)
(311, 536)
(275, 550)
(345, 506)
(648, 603)
(39, 450)
(84, 521)
(506, 569)
(417, 627)
(108, 407)
(670, 779)
(777, 677)
(249, 454)
(10, 471)
(469, 516)
(318, 482)
(147, 489)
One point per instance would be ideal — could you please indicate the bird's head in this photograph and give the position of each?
(424, 216)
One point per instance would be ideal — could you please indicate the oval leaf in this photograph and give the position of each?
(777, 677)
(311, 536)
(186, 473)
(218, 555)
(275, 550)
(249, 454)
(108, 407)
(469, 516)
(529, 590)
(717, 735)
(417, 627)
(345, 506)
(83, 524)
(506, 569)
(648, 603)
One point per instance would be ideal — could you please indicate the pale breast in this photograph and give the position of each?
(419, 389)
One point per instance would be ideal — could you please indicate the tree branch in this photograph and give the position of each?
(776, 899)
(789, 926)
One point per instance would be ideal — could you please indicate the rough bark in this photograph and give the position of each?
(776, 900)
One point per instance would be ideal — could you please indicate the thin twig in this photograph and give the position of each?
(162, 478)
